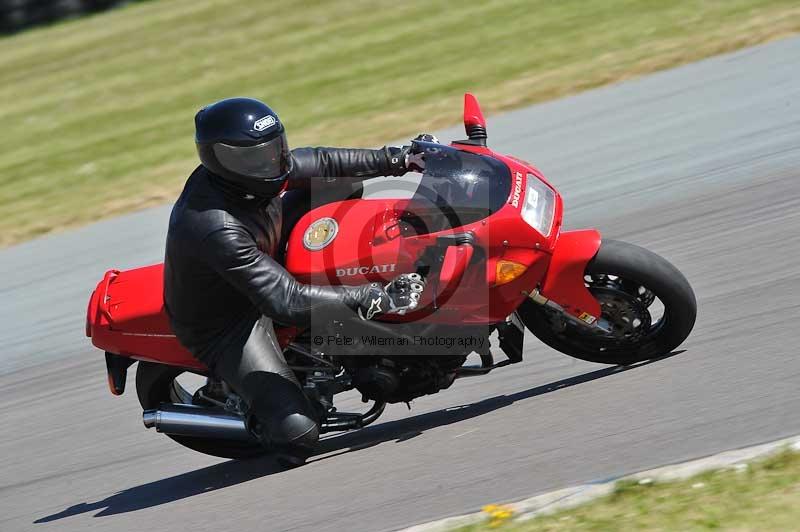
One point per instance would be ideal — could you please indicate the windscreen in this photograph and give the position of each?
(457, 188)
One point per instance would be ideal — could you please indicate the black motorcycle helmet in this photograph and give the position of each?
(242, 141)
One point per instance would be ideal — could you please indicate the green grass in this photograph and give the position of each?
(97, 112)
(764, 497)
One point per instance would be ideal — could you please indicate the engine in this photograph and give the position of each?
(398, 362)
(400, 379)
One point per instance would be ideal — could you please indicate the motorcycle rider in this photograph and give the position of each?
(222, 287)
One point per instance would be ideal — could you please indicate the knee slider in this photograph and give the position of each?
(296, 430)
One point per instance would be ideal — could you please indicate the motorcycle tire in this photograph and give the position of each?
(636, 266)
(155, 385)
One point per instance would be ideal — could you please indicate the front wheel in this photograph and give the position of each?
(648, 303)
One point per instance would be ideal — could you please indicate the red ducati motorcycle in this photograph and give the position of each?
(483, 229)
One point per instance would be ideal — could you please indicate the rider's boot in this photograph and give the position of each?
(281, 417)
(279, 412)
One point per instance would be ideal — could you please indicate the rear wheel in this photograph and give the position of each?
(648, 303)
(157, 383)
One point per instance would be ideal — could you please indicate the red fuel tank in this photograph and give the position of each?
(351, 242)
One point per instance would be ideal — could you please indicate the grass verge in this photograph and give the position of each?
(762, 497)
(97, 112)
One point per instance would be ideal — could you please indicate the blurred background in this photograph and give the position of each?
(16, 15)
(97, 97)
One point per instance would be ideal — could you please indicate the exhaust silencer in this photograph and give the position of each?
(196, 421)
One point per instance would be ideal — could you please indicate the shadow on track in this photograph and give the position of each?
(235, 472)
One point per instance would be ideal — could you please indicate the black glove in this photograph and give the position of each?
(398, 297)
(415, 160)
(397, 159)
(426, 137)
(408, 158)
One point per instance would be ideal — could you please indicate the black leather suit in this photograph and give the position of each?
(222, 288)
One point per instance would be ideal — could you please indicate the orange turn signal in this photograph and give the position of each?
(508, 270)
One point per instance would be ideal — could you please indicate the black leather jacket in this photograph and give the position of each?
(219, 274)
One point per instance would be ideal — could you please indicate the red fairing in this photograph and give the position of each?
(563, 282)
(369, 247)
(455, 262)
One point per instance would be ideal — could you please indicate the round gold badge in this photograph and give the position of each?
(320, 233)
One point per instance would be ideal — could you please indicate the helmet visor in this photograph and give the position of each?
(268, 160)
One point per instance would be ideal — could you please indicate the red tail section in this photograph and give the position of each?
(126, 317)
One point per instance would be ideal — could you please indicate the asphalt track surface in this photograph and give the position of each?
(700, 164)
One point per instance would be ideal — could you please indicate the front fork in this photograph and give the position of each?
(600, 324)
